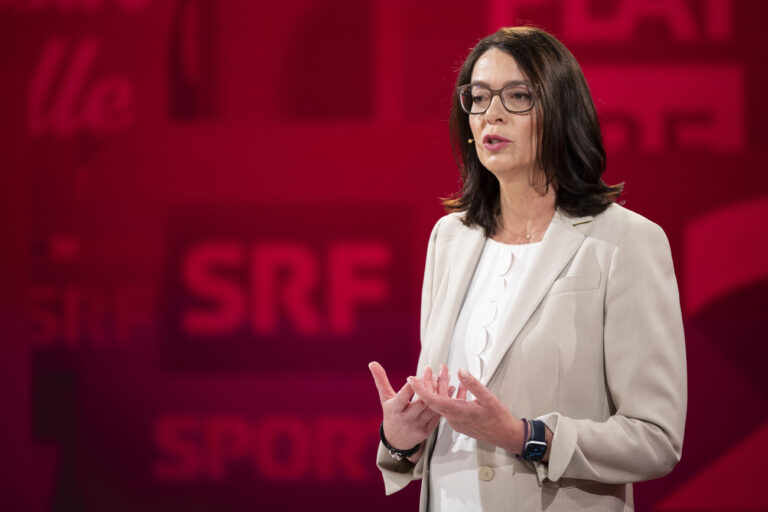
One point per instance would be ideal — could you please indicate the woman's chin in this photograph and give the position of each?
(505, 170)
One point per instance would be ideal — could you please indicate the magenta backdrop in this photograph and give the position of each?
(215, 213)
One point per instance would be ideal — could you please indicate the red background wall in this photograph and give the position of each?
(214, 214)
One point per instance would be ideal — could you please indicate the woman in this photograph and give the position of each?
(551, 311)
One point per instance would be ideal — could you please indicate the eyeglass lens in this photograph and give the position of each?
(475, 99)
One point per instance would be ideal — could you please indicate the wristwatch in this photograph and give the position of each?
(536, 446)
(394, 452)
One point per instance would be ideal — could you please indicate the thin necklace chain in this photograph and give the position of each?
(526, 235)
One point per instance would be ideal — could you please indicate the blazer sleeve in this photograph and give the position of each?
(645, 371)
(398, 474)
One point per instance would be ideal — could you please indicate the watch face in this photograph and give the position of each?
(534, 450)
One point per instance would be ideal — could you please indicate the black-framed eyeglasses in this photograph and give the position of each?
(475, 99)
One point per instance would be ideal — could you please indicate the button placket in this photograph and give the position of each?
(489, 313)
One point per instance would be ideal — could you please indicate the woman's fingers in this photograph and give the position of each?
(421, 389)
(481, 392)
(382, 382)
(415, 408)
(442, 381)
(426, 414)
(441, 404)
(426, 379)
(403, 397)
(462, 394)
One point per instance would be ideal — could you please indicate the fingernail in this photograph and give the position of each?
(463, 373)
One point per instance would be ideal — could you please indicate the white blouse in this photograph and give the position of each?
(453, 467)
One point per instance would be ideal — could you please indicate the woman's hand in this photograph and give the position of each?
(484, 418)
(406, 423)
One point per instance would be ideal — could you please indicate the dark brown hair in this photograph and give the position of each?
(569, 146)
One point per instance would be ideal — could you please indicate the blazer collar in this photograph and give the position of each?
(466, 248)
(562, 239)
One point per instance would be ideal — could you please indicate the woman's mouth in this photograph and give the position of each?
(494, 142)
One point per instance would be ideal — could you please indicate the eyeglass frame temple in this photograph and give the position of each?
(494, 93)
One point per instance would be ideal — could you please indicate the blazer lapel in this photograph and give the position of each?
(560, 243)
(465, 253)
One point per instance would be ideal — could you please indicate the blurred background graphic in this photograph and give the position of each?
(215, 214)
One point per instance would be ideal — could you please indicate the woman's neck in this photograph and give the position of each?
(526, 211)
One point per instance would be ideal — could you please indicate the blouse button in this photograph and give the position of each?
(486, 474)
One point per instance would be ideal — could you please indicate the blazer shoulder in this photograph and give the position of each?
(451, 225)
(613, 225)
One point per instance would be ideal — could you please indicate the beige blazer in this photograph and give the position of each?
(592, 344)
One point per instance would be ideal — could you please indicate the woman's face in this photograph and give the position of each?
(517, 157)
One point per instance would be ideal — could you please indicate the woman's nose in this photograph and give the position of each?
(496, 111)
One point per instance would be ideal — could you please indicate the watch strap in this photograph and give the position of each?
(539, 432)
(536, 447)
